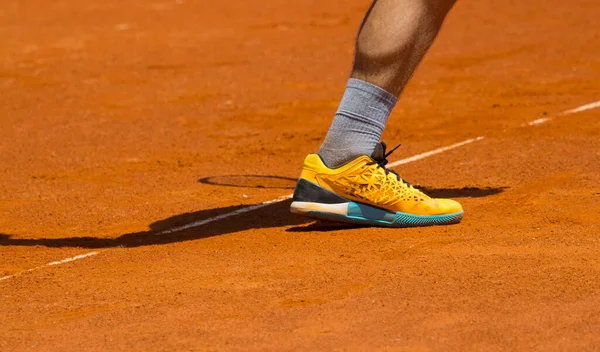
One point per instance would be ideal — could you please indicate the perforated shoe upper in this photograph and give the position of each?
(367, 180)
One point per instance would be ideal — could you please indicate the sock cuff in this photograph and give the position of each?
(358, 123)
(370, 88)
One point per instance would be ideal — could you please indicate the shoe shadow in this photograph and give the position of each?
(325, 226)
(271, 216)
(465, 192)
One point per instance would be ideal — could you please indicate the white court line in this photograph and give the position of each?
(539, 121)
(585, 107)
(59, 262)
(283, 198)
(582, 108)
(280, 199)
(249, 208)
(433, 152)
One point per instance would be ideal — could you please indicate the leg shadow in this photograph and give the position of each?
(270, 216)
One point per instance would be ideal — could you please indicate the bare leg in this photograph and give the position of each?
(393, 39)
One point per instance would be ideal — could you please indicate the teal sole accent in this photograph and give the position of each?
(363, 214)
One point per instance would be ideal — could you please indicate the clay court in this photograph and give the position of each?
(148, 150)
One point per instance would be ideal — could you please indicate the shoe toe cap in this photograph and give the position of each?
(449, 206)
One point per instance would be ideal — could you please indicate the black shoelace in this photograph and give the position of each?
(383, 162)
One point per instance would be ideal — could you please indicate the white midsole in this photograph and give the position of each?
(305, 207)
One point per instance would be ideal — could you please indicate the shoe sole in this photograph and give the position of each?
(363, 214)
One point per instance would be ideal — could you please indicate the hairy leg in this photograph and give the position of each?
(393, 39)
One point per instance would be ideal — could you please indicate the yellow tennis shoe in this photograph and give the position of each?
(364, 192)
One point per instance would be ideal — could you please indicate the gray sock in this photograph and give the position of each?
(358, 123)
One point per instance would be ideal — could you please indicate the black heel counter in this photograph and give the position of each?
(307, 191)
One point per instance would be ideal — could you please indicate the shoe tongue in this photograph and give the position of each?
(379, 152)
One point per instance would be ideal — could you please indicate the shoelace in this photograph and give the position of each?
(383, 162)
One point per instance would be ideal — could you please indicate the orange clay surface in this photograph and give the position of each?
(112, 111)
